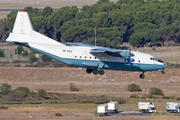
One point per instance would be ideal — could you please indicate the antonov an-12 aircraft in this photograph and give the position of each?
(94, 58)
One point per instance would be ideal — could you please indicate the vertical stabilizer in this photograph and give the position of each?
(22, 23)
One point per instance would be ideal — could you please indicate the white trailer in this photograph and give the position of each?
(173, 107)
(113, 106)
(146, 107)
(102, 110)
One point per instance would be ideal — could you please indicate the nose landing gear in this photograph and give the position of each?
(163, 72)
(142, 76)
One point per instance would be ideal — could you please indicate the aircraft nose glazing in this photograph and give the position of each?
(165, 65)
(162, 63)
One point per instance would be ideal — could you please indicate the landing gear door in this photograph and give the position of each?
(101, 65)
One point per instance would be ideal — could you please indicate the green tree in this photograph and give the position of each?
(10, 21)
(144, 32)
(33, 58)
(102, 1)
(2, 30)
(25, 53)
(39, 24)
(68, 13)
(2, 53)
(45, 58)
(66, 26)
(139, 22)
(23, 89)
(101, 19)
(134, 88)
(54, 23)
(5, 88)
(47, 11)
(19, 50)
(168, 32)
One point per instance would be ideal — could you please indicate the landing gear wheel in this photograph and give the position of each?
(163, 72)
(142, 76)
(88, 70)
(95, 72)
(101, 72)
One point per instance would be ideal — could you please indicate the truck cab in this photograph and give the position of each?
(173, 107)
(146, 107)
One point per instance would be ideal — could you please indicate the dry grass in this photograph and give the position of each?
(69, 111)
(113, 83)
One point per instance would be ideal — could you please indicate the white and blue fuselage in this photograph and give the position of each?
(94, 58)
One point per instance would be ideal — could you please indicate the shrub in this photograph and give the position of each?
(45, 58)
(33, 58)
(16, 96)
(41, 93)
(5, 88)
(2, 53)
(23, 89)
(134, 95)
(32, 94)
(178, 98)
(25, 53)
(154, 48)
(134, 88)
(19, 50)
(168, 97)
(58, 114)
(155, 91)
(3, 107)
(73, 87)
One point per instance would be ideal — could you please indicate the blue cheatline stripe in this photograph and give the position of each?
(99, 64)
(107, 65)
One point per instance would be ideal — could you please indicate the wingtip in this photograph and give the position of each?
(22, 11)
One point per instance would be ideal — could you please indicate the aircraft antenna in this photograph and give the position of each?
(95, 37)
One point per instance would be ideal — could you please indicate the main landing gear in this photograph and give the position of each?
(95, 71)
(142, 76)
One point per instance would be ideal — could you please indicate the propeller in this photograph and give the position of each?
(126, 53)
(129, 58)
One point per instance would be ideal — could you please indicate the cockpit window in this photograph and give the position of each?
(153, 58)
(160, 61)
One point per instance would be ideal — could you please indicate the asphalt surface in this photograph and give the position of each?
(131, 114)
(124, 114)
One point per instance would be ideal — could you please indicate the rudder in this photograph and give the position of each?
(23, 23)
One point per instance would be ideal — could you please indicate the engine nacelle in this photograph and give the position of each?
(125, 53)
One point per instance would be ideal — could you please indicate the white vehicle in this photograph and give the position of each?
(146, 107)
(112, 106)
(102, 109)
(173, 107)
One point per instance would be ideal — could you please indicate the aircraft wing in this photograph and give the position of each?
(78, 44)
(100, 49)
(112, 52)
